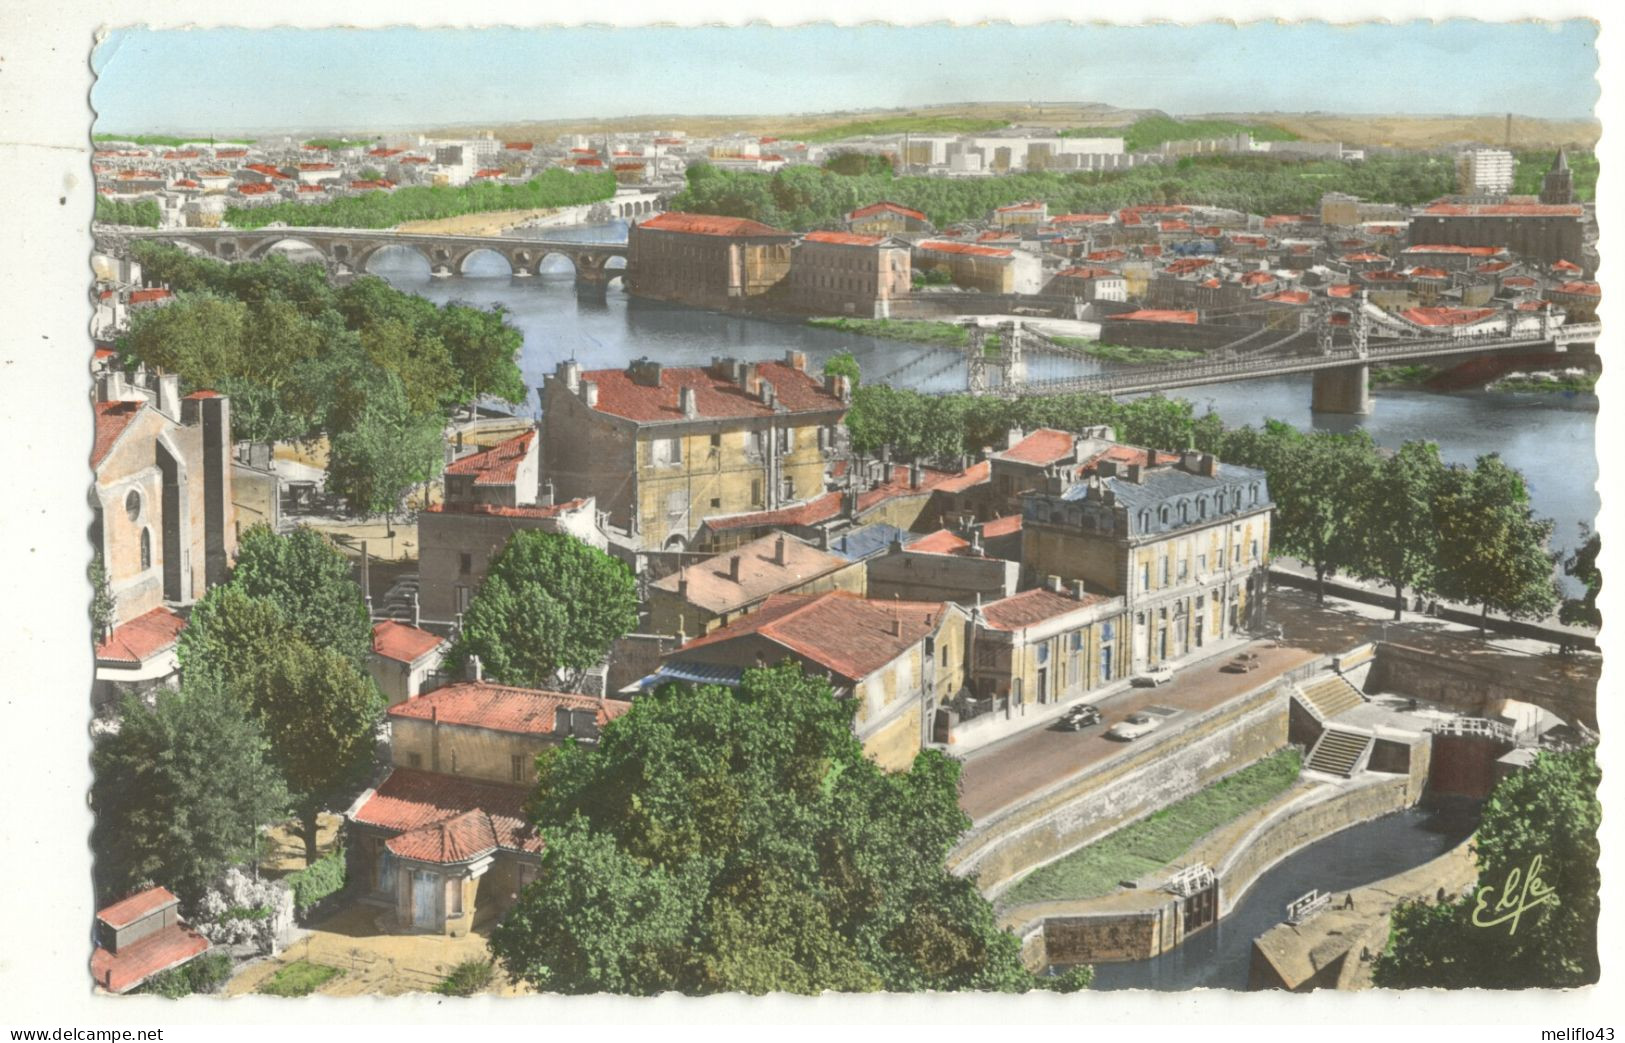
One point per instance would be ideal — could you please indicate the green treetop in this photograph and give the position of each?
(739, 840)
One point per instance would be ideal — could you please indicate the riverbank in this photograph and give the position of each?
(1161, 839)
(1413, 377)
(489, 222)
(918, 331)
(1563, 381)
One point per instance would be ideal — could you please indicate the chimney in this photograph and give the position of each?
(1013, 436)
(896, 627)
(1150, 457)
(546, 498)
(589, 394)
(1077, 589)
(682, 584)
(477, 667)
(733, 568)
(1135, 473)
(1210, 465)
(169, 395)
(778, 551)
(796, 360)
(885, 462)
(686, 397)
(849, 505)
(915, 474)
(764, 391)
(417, 613)
(1053, 583)
(644, 372)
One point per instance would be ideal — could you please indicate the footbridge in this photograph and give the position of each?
(347, 250)
(1341, 371)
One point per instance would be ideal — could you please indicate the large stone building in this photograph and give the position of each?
(1533, 231)
(1182, 538)
(704, 260)
(163, 522)
(842, 273)
(662, 448)
(1046, 645)
(490, 495)
(990, 269)
(885, 219)
(898, 660)
(443, 841)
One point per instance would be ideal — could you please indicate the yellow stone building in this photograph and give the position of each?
(664, 448)
(898, 660)
(1181, 537)
(1047, 645)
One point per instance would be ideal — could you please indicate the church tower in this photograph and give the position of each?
(1558, 185)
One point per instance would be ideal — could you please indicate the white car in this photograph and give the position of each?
(1154, 676)
(1134, 726)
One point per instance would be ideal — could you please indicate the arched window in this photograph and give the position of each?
(1184, 512)
(1201, 508)
(146, 548)
(1254, 493)
(1145, 520)
(132, 505)
(1162, 516)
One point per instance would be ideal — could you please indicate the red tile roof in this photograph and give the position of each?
(111, 420)
(1447, 316)
(711, 585)
(402, 643)
(1081, 219)
(1186, 265)
(1286, 297)
(842, 239)
(1030, 205)
(1042, 447)
(708, 224)
(409, 799)
(1005, 526)
(943, 541)
(819, 508)
(1157, 315)
(1494, 266)
(502, 708)
(518, 146)
(461, 838)
(1105, 255)
(1033, 606)
(1365, 258)
(1518, 281)
(1340, 290)
(846, 634)
(498, 465)
(253, 189)
(1427, 273)
(1502, 210)
(1579, 289)
(203, 393)
(1087, 273)
(943, 247)
(317, 166)
(1565, 266)
(157, 293)
(127, 911)
(1174, 226)
(491, 172)
(1453, 248)
(140, 960)
(715, 396)
(382, 182)
(141, 638)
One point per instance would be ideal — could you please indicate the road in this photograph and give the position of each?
(1007, 771)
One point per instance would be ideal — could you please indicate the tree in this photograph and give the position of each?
(320, 713)
(1398, 543)
(724, 839)
(550, 605)
(389, 450)
(1547, 811)
(1582, 565)
(844, 365)
(308, 579)
(1492, 550)
(102, 604)
(180, 792)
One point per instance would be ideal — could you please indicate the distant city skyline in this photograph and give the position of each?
(260, 81)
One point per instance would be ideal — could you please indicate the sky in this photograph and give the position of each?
(225, 80)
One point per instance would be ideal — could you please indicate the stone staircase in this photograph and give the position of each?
(1330, 695)
(1338, 752)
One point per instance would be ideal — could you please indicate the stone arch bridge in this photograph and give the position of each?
(347, 250)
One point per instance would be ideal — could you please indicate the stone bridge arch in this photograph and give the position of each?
(260, 250)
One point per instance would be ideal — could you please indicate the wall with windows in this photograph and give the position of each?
(477, 753)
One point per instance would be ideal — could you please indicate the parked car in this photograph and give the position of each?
(1084, 715)
(1134, 726)
(1242, 663)
(1154, 676)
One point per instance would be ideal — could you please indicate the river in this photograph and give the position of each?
(1549, 437)
(1219, 957)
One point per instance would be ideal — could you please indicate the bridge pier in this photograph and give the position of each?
(1346, 389)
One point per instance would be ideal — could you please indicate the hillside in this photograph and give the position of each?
(1375, 131)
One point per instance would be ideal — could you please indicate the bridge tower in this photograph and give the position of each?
(1012, 363)
(976, 364)
(1343, 389)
